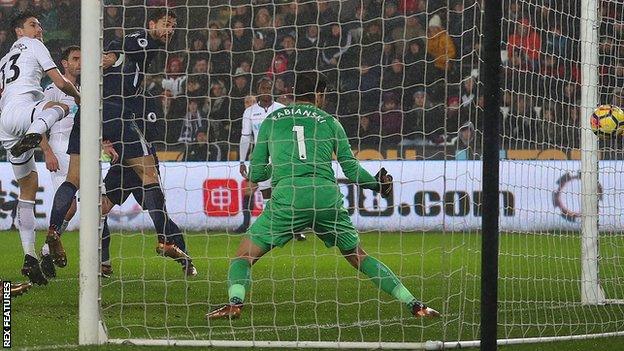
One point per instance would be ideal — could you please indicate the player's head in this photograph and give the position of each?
(70, 60)
(310, 87)
(265, 88)
(161, 24)
(26, 24)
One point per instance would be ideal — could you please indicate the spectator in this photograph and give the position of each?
(241, 41)
(307, 48)
(519, 126)
(468, 90)
(440, 47)
(370, 81)
(549, 131)
(49, 16)
(219, 57)
(194, 125)
(262, 57)
(112, 22)
(393, 77)
(241, 14)
(263, 24)
(393, 22)
(527, 40)
(198, 48)
(334, 45)
(466, 143)
(372, 41)
(219, 117)
(415, 62)
(424, 122)
(367, 134)
(390, 120)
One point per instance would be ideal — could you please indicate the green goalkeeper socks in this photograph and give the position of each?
(385, 279)
(239, 280)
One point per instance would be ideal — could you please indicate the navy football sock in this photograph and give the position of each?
(62, 202)
(247, 210)
(105, 242)
(154, 203)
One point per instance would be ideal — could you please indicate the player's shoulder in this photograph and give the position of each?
(277, 105)
(31, 43)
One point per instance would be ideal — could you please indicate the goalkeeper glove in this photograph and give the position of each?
(385, 182)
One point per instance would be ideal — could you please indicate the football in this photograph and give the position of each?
(607, 121)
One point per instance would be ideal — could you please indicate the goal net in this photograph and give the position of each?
(405, 84)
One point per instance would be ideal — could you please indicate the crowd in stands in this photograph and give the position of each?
(404, 73)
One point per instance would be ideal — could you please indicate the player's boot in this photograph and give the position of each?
(47, 266)
(32, 270)
(27, 142)
(420, 310)
(189, 269)
(56, 247)
(172, 251)
(106, 270)
(20, 288)
(229, 311)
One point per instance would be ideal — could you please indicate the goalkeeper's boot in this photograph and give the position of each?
(20, 288)
(27, 142)
(419, 310)
(47, 266)
(32, 270)
(56, 247)
(229, 311)
(106, 270)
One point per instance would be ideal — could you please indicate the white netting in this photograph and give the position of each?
(405, 85)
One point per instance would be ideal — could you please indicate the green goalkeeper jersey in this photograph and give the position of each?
(300, 141)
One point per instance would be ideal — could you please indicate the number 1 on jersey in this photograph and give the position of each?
(300, 142)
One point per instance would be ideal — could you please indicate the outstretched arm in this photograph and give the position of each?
(349, 164)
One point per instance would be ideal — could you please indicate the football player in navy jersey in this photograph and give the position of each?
(124, 65)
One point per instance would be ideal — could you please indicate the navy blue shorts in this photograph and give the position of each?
(121, 130)
(74, 137)
(121, 181)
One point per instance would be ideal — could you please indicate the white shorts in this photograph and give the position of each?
(58, 143)
(16, 118)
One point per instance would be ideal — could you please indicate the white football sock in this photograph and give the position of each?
(44, 120)
(45, 250)
(25, 218)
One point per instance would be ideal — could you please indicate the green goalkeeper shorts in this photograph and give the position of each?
(298, 204)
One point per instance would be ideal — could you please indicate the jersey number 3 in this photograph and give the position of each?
(13, 67)
(300, 142)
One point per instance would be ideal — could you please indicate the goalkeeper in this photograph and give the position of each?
(300, 140)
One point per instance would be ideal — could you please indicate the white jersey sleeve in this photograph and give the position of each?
(64, 125)
(22, 68)
(43, 55)
(245, 139)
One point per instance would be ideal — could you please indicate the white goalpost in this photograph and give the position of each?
(561, 242)
(91, 330)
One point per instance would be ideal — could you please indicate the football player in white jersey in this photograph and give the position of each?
(253, 117)
(25, 116)
(56, 157)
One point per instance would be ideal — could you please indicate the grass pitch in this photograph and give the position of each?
(308, 292)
